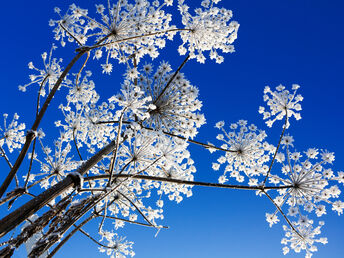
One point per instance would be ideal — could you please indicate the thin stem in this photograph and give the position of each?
(205, 145)
(137, 208)
(76, 145)
(95, 241)
(5, 157)
(39, 94)
(103, 219)
(135, 222)
(82, 67)
(70, 34)
(171, 79)
(133, 37)
(195, 183)
(76, 229)
(283, 214)
(112, 164)
(279, 143)
(31, 161)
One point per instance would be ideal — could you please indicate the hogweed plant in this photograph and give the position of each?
(112, 158)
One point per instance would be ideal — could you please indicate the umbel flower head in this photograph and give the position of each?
(281, 103)
(247, 152)
(124, 28)
(211, 29)
(312, 182)
(116, 246)
(12, 135)
(312, 187)
(304, 239)
(48, 75)
(54, 166)
(173, 101)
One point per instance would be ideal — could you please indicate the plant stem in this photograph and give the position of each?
(31, 135)
(194, 183)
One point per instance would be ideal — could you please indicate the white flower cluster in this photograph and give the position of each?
(311, 187)
(157, 154)
(304, 240)
(48, 75)
(305, 185)
(312, 182)
(123, 29)
(54, 166)
(132, 100)
(116, 247)
(82, 112)
(211, 29)
(12, 135)
(173, 102)
(281, 103)
(247, 152)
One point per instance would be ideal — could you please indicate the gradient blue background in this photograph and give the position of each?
(293, 41)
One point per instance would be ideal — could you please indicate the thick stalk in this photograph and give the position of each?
(31, 135)
(19, 215)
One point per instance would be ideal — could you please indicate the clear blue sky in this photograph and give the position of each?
(290, 41)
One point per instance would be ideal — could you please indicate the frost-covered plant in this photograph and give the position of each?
(211, 29)
(281, 103)
(48, 75)
(12, 135)
(118, 158)
(305, 183)
(247, 152)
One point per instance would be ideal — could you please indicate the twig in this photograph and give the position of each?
(171, 79)
(135, 222)
(31, 161)
(207, 146)
(283, 214)
(53, 252)
(137, 208)
(279, 143)
(195, 183)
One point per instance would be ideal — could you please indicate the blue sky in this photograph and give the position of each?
(294, 41)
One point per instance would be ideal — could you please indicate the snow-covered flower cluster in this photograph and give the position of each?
(210, 29)
(134, 146)
(309, 187)
(116, 246)
(12, 134)
(173, 101)
(123, 29)
(82, 112)
(247, 152)
(132, 101)
(304, 239)
(311, 180)
(155, 154)
(300, 185)
(54, 166)
(48, 75)
(281, 103)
